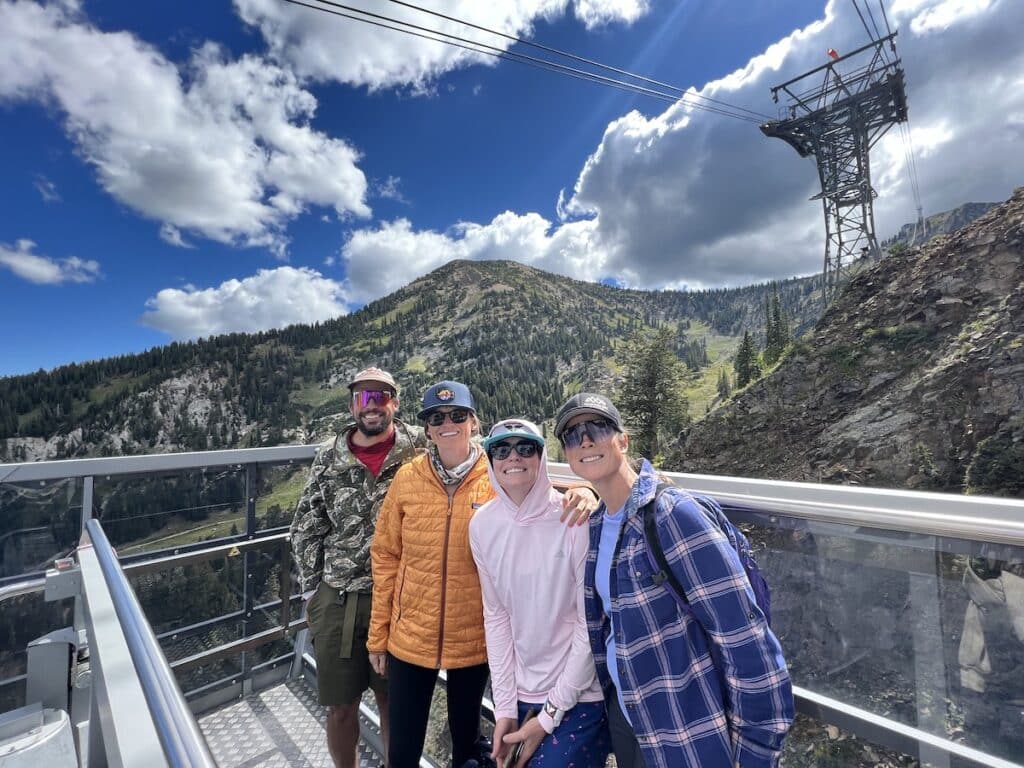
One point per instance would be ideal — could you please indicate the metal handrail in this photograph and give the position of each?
(984, 518)
(176, 727)
(18, 589)
(944, 514)
(34, 471)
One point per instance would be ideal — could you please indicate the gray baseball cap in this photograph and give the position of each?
(587, 402)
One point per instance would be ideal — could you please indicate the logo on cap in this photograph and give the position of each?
(595, 402)
(444, 395)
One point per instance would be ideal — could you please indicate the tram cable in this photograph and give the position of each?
(475, 46)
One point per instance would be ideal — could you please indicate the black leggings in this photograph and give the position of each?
(410, 690)
(624, 743)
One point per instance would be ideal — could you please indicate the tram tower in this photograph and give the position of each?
(837, 112)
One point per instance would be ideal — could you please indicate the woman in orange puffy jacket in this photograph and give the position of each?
(427, 610)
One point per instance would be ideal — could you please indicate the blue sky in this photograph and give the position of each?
(176, 170)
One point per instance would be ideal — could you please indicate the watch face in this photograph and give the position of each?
(550, 709)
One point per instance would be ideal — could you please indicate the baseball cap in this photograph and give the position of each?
(453, 393)
(586, 402)
(374, 376)
(520, 428)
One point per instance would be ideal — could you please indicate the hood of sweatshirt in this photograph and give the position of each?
(542, 495)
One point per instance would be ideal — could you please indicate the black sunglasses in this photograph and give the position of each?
(436, 418)
(598, 430)
(501, 451)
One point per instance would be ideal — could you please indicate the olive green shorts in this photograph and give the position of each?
(339, 624)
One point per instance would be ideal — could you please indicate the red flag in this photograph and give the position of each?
(833, 53)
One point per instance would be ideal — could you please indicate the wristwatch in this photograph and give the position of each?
(550, 717)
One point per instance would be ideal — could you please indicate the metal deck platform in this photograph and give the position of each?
(281, 727)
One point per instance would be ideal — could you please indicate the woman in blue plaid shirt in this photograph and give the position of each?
(700, 687)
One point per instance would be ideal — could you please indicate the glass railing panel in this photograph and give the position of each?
(181, 596)
(891, 622)
(12, 694)
(39, 522)
(198, 608)
(223, 672)
(813, 744)
(279, 488)
(22, 620)
(148, 513)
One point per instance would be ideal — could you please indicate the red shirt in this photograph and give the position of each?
(372, 456)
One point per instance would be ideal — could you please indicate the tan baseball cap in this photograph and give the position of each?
(376, 376)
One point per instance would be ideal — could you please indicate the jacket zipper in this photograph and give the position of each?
(401, 590)
(444, 570)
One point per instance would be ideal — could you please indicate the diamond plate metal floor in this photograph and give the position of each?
(280, 726)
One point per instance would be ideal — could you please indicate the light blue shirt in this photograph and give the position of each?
(610, 528)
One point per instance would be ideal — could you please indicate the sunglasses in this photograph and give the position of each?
(598, 430)
(501, 451)
(436, 418)
(364, 397)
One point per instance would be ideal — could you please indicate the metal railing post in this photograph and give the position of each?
(286, 583)
(248, 559)
(87, 494)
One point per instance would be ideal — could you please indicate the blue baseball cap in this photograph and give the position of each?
(520, 428)
(450, 393)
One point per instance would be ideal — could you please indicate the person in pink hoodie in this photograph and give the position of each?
(531, 570)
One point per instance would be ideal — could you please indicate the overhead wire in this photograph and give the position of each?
(471, 46)
(856, 7)
(475, 46)
(874, 24)
(575, 57)
(909, 154)
(885, 17)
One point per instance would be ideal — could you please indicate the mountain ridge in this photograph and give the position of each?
(523, 338)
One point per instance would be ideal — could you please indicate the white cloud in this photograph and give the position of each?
(382, 260)
(172, 235)
(46, 189)
(44, 270)
(323, 46)
(595, 13)
(221, 149)
(928, 17)
(390, 189)
(272, 298)
(685, 197)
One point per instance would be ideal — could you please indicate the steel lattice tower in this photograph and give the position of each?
(837, 112)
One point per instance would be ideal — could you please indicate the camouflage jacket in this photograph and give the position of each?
(337, 512)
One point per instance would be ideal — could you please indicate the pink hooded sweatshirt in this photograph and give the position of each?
(531, 571)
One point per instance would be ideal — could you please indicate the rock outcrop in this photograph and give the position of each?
(913, 378)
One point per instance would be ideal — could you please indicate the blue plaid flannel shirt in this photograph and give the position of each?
(703, 690)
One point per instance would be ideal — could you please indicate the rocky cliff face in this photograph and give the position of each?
(913, 378)
(944, 223)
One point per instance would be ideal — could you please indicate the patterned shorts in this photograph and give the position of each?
(580, 741)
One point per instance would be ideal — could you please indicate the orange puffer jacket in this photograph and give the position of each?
(427, 608)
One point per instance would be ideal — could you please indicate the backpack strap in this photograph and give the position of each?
(655, 548)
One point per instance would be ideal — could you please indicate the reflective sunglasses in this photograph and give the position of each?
(598, 430)
(436, 418)
(501, 451)
(364, 397)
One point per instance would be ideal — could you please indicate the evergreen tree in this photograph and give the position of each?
(652, 398)
(746, 365)
(776, 328)
(724, 385)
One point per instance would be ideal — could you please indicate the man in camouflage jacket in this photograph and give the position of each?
(331, 534)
